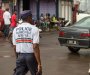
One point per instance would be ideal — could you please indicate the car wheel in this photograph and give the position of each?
(74, 49)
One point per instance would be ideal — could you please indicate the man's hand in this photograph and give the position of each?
(0, 24)
(39, 72)
(39, 68)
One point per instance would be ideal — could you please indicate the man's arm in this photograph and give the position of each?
(37, 55)
(36, 48)
(14, 42)
(14, 46)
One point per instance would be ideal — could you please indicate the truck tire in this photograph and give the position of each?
(73, 49)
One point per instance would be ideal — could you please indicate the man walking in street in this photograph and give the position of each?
(7, 22)
(26, 46)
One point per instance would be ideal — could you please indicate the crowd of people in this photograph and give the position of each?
(7, 22)
(47, 22)
(25, 41)
(25, 38)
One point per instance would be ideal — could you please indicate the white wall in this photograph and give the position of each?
(65, 10)
(5, 5)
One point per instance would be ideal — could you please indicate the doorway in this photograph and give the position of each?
(26, 4)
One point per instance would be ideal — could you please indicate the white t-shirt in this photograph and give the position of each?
(6, 17)
(24, 36)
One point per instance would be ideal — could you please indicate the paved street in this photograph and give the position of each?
(56, 60)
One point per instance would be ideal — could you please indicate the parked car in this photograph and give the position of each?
(76, 36)
(82, 15)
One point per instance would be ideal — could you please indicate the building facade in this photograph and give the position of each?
(38, 7)
(7, 4)
(60, 8)
(84, 6)
(65, 9)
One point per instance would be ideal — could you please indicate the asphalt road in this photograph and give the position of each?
(56, 60)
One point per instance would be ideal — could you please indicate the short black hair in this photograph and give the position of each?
(7, 9)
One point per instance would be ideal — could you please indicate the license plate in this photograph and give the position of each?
(72, 42)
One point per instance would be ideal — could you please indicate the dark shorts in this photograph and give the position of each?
(6, 30)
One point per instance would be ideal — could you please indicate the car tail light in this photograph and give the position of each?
(85, 35)
(61, 33)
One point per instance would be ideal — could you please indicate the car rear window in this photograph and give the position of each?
(85, 22)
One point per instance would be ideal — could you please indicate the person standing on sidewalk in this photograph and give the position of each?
(12, 25)
(26, 46)
(7, 22)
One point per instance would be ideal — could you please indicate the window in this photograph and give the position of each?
(85, 22)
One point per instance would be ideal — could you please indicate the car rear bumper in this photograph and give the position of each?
(81, 43)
